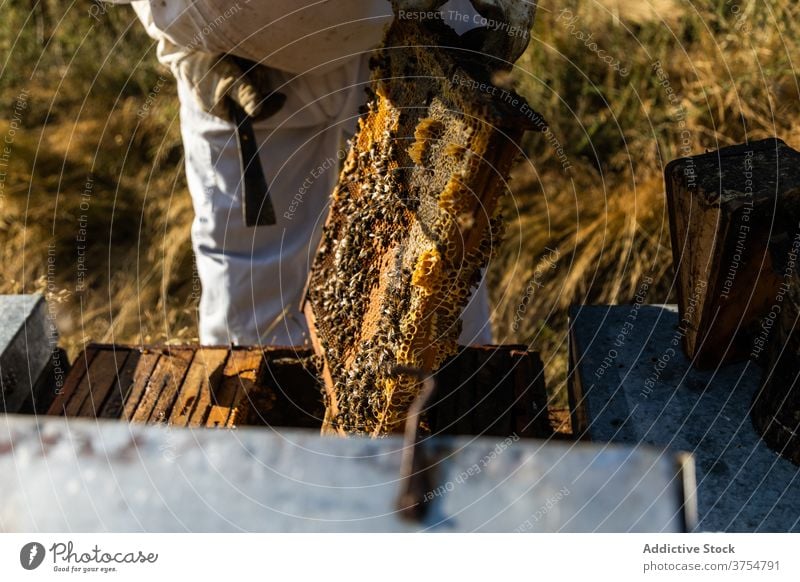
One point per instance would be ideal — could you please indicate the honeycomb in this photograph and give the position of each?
(413, 220)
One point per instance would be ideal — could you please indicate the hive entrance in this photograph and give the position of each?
(413, 220)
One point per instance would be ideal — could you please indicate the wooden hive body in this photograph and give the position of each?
(413, 221)
(776, 405)
(194, 386)
(491, 391)
(728, 210)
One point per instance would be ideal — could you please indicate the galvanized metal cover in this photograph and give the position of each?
(61, 474)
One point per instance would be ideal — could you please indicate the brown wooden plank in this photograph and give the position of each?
(141, 377)
(99, 380)
(333, 407)
(530, 393)
(450, 380)
(493, 393)
(465, 395)
(195, 395)
(250, 373)
(579, 415)
(776, 407)
(206, 398)
(218, 416)
(241, 373)
(527, 414)
(483, 387)
(136, 361)
(491, 390)
(171, 368)
(73, 380)
(168, 396)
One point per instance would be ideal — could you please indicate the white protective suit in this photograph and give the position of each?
(253, 278)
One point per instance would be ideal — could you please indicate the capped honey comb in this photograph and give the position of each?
(413, 220)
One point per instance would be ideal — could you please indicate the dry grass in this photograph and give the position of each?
(728, 63)
(90, 164)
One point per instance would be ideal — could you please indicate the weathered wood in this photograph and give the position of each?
(238, 381)
(114, 402)
(776, 406)
(726, 209)
(205, 397)
(329, 427)
(493, 390)
(168, 374)
(530, 395)
(141, 378)
(138, 363)
(73, 380)
(169, 394)
(443, 414)
(102, 376)
(195, 396)
(464, 396)
(576, 391)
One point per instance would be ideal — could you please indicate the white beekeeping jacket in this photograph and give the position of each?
(295, 36)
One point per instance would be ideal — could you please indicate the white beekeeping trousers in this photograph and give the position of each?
(253, 278)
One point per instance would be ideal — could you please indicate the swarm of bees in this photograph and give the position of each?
(413, 221)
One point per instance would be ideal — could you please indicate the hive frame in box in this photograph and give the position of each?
(235, 386)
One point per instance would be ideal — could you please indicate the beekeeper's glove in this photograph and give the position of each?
(216, 78)
(505, 32)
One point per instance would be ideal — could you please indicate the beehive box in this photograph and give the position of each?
(729, 210)
(492, 391)
(413, 221)
(194, 386)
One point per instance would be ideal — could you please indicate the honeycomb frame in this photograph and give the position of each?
(413, 220)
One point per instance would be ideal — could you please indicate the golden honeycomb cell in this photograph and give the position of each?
(455, 150)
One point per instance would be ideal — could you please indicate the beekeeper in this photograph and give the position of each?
(298, 69)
